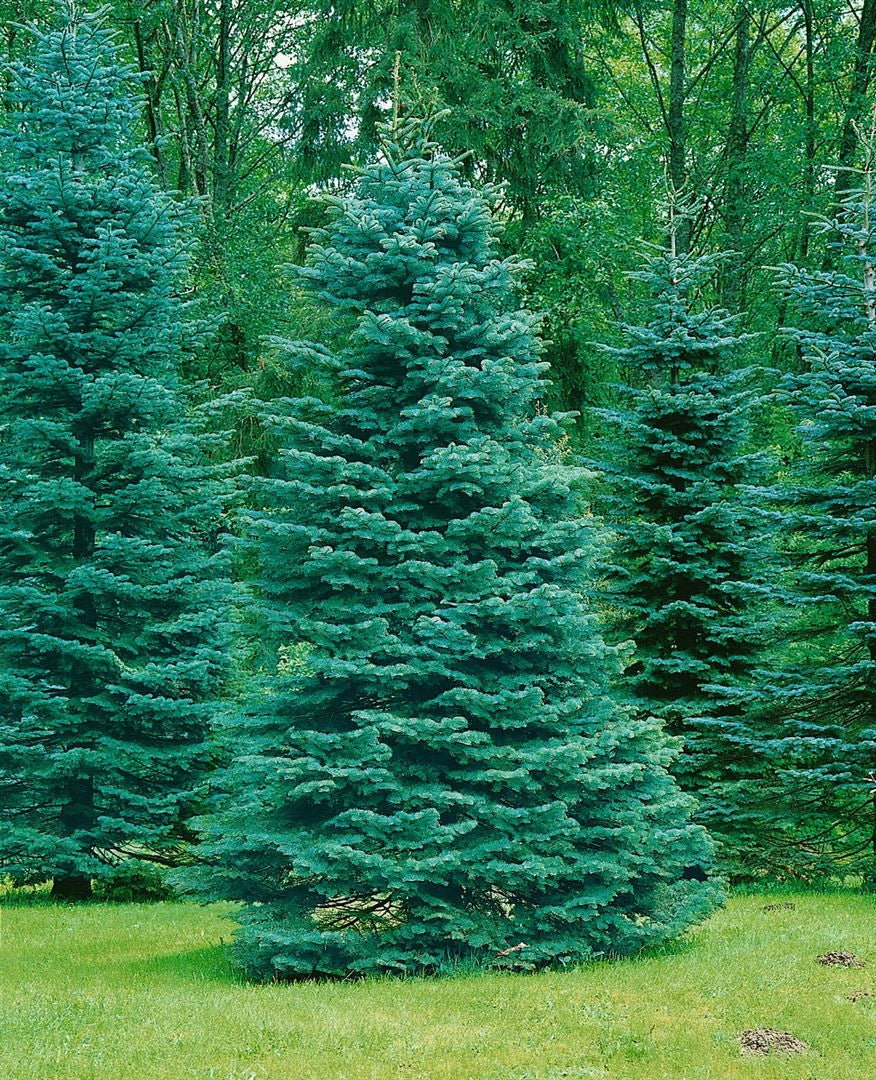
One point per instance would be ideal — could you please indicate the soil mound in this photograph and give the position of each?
(769, 1040)
(840, 959)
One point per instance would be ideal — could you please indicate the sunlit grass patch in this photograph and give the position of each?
(136, 990)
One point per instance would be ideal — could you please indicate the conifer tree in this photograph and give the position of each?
(112, 600)
(434, 772)
(826, 698)
(688, 551)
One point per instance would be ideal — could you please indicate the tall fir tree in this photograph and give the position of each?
(826, 696)
(434, 772)
(688, 561)
(112, 580)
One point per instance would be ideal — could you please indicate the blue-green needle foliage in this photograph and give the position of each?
(112, 600)
(435, 774)
(689, 550)
(827, 697)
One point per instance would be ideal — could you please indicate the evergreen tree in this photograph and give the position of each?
(112, 600)
(688, 552)
(434, 772)
(826, 698)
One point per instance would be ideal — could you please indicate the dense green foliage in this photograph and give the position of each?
(688, 556)
(509, 80)
(113, 612)
(443, 777)
(419, 664)
(824, 693)
(583, 110)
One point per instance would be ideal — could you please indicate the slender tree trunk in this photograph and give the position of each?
(733, 284)
(221, 171)
(184, 174)
(809, 140)
(869, 448)
(152, 107)
(201, 156)
(193, 124)
(870, 570)
(675, 117)
(78, 812)
(861, 77)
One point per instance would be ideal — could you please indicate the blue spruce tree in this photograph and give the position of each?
(826, 699)
(112, 594)
(434, 772)
(689, 550)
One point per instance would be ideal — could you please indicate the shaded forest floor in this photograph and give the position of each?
(146, 991)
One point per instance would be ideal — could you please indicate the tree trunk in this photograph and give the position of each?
(184, 174)
(733, 284)
(869, 282)
(871, 616)
(77, 813)
(809, 101)
(675, 119)
(870, 577)
(857, 100)
(71, 887)
(152, 106)
(221, 163)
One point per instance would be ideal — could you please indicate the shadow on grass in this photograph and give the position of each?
(213, 963)
(679, 946)
(210, 963)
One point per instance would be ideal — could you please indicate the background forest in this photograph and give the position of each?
(690, 186)
(588, 115)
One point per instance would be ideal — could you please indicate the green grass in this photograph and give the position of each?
(146, 991)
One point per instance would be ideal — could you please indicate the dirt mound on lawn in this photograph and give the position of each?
(840, 959)
(769, 1040)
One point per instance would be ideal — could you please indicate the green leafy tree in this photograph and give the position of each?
(215, 89)
(690, 552)
(435, 773)
(509, 80)
(112, 594)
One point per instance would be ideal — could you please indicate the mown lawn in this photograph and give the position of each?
(146, 991)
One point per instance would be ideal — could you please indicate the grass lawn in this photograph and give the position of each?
(145, 991)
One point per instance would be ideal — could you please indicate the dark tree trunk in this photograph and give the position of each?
(77, 815)
(809, 174)
(152, 105)
(870, 541)
(857, 100)
(675, 119)
(221, 163)
(870, 570)
(733, 284)
(71, 887)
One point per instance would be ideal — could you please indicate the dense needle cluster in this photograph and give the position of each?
(435, 773)
(687, 580)
(112, 603)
